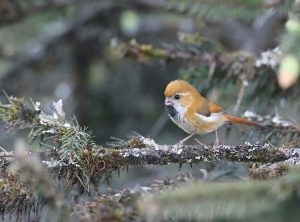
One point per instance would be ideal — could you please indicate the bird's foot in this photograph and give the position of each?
(178, 145)
(201, 144)
(177, 148)
(217, 143)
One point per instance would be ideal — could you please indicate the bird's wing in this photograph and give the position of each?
(203, 109)
(208, 109)
(208, 122)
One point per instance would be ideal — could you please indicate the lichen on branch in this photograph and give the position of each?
(54, 131)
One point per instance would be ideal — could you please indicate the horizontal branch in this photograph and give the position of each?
(169, 154)
(165, 154)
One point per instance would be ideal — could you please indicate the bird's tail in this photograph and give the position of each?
(235, 119)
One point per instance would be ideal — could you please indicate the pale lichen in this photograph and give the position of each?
(277, 120)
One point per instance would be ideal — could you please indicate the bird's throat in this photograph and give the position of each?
(171, 111)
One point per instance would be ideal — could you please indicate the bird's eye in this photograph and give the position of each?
(176, 97)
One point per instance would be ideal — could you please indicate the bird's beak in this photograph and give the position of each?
(168, 102)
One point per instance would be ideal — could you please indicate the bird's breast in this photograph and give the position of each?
(183, 123)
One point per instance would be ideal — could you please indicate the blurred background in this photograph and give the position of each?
(110, 61)
(94, 56)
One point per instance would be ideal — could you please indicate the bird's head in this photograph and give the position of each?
(179, 97)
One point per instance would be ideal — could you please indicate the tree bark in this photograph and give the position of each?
(165, 154)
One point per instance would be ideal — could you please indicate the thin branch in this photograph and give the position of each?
(158, 125)
(240, 96)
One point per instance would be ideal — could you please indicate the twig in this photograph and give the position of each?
(211, 71)
(158, 125)
(240, 96)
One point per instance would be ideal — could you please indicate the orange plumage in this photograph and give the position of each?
(193, 113)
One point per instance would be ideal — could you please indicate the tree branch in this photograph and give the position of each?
(170, 154)
(165, 154)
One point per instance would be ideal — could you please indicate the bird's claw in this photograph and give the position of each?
(216, 143)
(178, 145)
(177, 148)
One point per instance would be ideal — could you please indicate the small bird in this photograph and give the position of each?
(193, 113)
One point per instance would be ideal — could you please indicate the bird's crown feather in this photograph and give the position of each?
(179, 86)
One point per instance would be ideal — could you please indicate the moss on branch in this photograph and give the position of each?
(108, 159)
(164, 154)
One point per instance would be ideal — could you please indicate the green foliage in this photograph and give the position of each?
(292, 34)
(73, 141)
(198, 76)
(70, 144)
(120, 207)
(232, 201)
(14, 195)
(68, 139)
(289, 69)
(218, 11)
